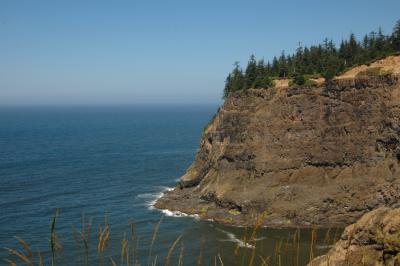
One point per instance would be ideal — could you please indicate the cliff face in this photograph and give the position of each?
(319, 155)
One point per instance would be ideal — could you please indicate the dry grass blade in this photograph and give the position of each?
(101, 235)
(180, 261)
(57, 243)
(85, 235)
(25, 246)
(296, 246)
(171, 250)
(89, 230)
(327, 238)
(155, 261)
(113, 262)
(124, 250)
(154, 238)
(84, 241)
(40, 262)
(252, 240)
(135, 249)
(132, 230)
(313, 239)
(103, 238)
(200, 258)
(127, 254)
(286, 250)
(12, 263)
(253, 254)
(264, 261)
(20, 255)
(220, 260)
(85, 245)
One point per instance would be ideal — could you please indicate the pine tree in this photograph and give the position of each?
(251, 72)
(228, 86)
(283, 69)
(396, 36)
(299, 79)
(262, 80)
(275, 67)
(238, 80)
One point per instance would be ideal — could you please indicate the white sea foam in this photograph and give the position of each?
(232, 238)
(151, 198)
(167, 212)
(179, 214)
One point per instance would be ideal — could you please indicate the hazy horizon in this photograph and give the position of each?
(147, 52)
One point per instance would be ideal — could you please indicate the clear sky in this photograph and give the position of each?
(129, 52)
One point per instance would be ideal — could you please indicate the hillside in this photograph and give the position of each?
(305, 155)
(390, 64)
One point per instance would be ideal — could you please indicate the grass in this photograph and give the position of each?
(93, 249)
(370, 72)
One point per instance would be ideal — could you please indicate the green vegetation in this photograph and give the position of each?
(371, 72)
(324, 60)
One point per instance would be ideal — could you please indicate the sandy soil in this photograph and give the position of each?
(389, 64)
(281, 83)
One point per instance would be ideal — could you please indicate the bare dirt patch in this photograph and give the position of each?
(281, 83)
(390, 64)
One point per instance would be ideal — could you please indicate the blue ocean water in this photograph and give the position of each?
(112, 162)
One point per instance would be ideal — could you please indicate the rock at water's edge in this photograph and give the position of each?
(373, 240)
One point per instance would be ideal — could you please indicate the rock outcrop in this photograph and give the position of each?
(313, 155)
(373, 240)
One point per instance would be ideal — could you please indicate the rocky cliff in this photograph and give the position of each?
(312, 155)
(374, 240)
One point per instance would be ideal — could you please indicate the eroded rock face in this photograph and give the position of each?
(320, 155)
(373, 240)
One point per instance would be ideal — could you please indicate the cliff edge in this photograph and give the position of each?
(305, 155)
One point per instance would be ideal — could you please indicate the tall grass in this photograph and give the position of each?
(96, 251)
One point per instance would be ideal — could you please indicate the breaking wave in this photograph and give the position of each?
(232, 238)
(151, 198)
(178, 214)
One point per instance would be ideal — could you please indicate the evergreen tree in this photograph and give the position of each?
(396, 36)
(228, 86)
(275, 67)
(282, 66)
(262, 80)
(299, 79)
(251, 72)
(237, 78)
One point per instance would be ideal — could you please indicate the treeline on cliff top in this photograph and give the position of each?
(322, 60)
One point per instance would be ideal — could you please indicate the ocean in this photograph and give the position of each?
(110, 163)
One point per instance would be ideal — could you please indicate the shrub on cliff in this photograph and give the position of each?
(299, 79)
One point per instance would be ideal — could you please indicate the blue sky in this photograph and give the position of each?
(130, 52)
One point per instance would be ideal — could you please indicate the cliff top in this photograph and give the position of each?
(387, 65)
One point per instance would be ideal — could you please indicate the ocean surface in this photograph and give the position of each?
(110, 163)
